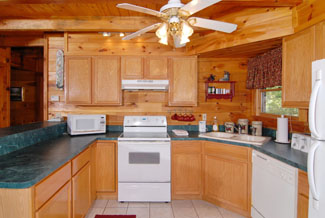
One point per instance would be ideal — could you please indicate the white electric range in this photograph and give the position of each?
(144, 160)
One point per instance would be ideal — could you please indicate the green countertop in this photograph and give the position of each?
(27, 166)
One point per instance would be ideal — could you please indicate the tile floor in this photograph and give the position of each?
(175, 209)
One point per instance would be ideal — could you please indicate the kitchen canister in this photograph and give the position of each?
(229, 127)
(244, 125)
(282, 130)
(258, 127)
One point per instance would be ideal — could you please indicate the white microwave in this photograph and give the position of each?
(79, 124)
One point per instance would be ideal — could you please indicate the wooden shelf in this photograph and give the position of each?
(229, 95)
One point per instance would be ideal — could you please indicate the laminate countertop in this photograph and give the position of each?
(27, 166)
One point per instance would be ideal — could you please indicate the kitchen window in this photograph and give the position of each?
(271, 102)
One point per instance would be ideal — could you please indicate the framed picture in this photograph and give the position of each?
(16, 93)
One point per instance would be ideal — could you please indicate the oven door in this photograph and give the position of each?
(144, 161)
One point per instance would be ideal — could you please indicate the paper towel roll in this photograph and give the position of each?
(282, 130)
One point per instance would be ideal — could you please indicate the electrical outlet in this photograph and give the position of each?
(55, 98)
(204, 116)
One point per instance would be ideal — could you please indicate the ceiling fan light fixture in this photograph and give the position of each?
(186, 29)
(164, 40)
(162, 31)
(184, 40)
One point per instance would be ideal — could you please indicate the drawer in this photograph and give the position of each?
(50, 185)
(226, 151)
(80, 161)
(186, 147)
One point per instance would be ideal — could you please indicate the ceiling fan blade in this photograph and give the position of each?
(212, 24)
(197, 5)
(142, 31)
(140, 9)
(177, 42)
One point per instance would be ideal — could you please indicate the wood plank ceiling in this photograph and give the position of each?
(58, 9)
(36, 15)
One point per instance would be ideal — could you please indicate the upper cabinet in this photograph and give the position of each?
(298, 54)
(183, 81)
(106, 80)
(139, 67)
(132, 67)
(155, 68)
(299, 51)
(93, 80)
(78, 80)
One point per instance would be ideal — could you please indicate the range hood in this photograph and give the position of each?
(145, 84)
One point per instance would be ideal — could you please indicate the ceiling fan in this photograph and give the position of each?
(176, 21)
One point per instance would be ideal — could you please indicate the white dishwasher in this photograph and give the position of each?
(274, 188)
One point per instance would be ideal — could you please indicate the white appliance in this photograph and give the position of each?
(144, 160)
(145, 84)
(274, 188)
(81, 124)
(316, 155)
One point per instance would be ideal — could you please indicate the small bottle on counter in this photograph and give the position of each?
(215, 126)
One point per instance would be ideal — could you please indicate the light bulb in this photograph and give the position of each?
(106, 34)
(122, 34)
(164, 40)
(162, 31)
(186, 30)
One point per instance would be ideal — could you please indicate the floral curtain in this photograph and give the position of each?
(265, 70)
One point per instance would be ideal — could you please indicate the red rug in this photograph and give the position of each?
(115, 216)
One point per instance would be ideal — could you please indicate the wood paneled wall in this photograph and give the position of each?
(150, 102)
(27, 72)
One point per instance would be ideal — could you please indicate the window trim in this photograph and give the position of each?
(258, 106)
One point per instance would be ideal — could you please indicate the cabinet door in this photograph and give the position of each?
(298, 54)
(81, 192)
(78, 80)
(303, 195)
(155, 68)
(186, 170)
(59, 206)
(132, 67)
(106, 80)
(228, 176)
(183, 81)
(105, 167)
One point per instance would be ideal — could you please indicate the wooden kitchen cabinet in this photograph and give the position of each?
(182, 81)
(155, 67)
(303, 195)
(81, 184)
(132, 67)
(106, 167)
(186, 170)
(78, 80)
(227, 176)
(81, 193)
(106, 84)
(299, 51)
(139, 67)
(59, 206)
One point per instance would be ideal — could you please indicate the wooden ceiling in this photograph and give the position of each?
(65, 9)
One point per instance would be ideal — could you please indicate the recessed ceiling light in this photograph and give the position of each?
(122, 34)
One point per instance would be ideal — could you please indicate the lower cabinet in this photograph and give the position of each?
(59, 205)
(303, 195)
(227, 176)
(81, 184)
(186, 170)
(106, 184)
